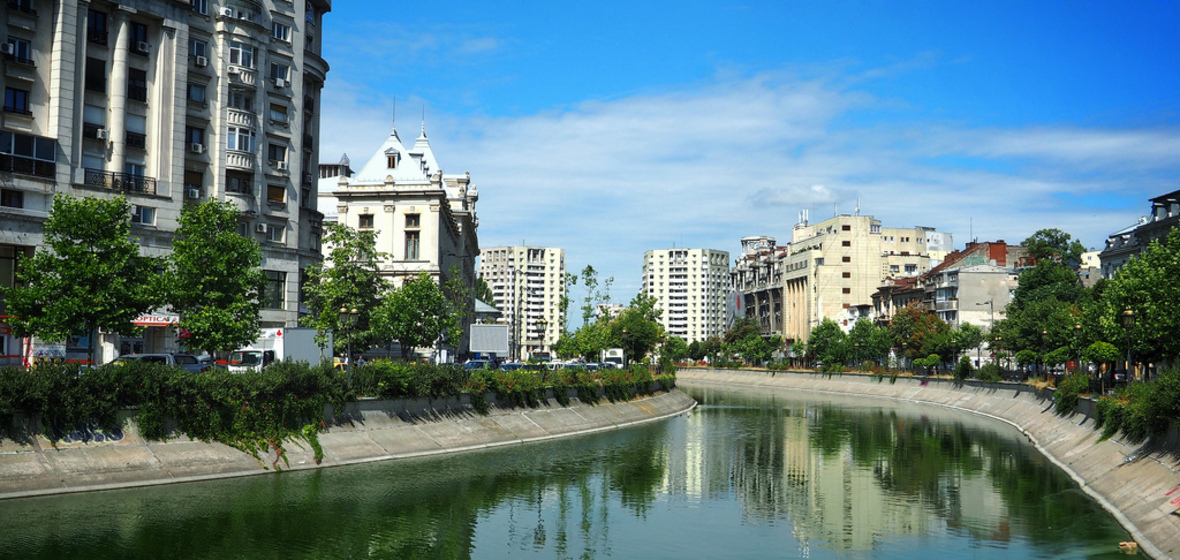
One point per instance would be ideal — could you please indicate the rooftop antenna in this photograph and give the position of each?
(858, 206)
(394, 113)
(835, 209)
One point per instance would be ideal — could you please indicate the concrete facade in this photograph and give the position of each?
(166, 104)
(528, 284)
(690, 286)
(1132, 240)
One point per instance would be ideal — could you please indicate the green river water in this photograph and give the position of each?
(748, 474)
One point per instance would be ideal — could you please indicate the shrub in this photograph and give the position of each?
(1068, 392)
(990, 373)
(964, 369)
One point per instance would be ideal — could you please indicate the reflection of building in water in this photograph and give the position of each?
(792, 464)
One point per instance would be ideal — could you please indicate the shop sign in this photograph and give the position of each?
(158, 320)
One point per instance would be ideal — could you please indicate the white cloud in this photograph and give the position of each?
(704, 166)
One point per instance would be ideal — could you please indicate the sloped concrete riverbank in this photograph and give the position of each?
(1135, 483)
(369, 430)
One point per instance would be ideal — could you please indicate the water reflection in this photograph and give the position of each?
(746, 475)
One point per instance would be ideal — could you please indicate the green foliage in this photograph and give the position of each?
(482, 291)
(348, 277)
(90, 277)
(869, 341)
(214, 281)
(1068, 391)
(1027, 357)
(929, 362)
(1054, 245)
(1101, 353)
(1141, 410)
(828, 343)
(1149, 284)
(918, 332)
(674, 349)
(417, 314)
(963, 369)
(594, 295)
(637, 329)
(990, 373)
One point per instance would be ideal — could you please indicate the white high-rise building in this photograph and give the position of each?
(690, 286)
(167, 104)
(528, 284)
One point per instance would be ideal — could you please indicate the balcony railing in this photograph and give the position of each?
(125, 182)
(136, 140)
(97, 37)
(23, 6)
(27, 166)
(20, 60)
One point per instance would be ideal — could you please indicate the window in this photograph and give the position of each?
(241, 99)
(911, 268)
(96, 75)
(274, 233)
(143, 215)
(136, 131)
(276, 153)
(391, 160)
(847, 275)
(272, 295)
(139, 38)
(197, 47)
(96, 27)
(137, 84)
(276, 193)
(309, 16)
(16, 101)
(92, 160)
(194, 179)
(281, 32)
(196, 92)
(21, 51)
(894, 268)
(201, 7)
(194, 135)
(239, 182)
(279, 71)
(278, 112)
(412, 245)
(845, 243)
(845, 227)
(365, 221)
(241, 139)
(412, 220)
(845, 259)
(93, 120)
(241, 54)
(12, 199)
(243, 229)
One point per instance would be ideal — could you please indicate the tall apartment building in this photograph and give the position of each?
(689, 286)
(528, 284)
(830, 269)
(167, 104)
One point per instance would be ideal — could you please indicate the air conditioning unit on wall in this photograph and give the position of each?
(7, 48)
(280, 83)
(226, 12)
(260, 228)
(196, 148)
(202, 61)
(102, 134)
(234, 71)
(192, 193)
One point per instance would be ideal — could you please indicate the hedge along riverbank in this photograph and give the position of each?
(257, 411)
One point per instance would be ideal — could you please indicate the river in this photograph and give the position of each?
(748, 474)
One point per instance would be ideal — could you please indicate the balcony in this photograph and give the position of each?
(124, 182)
(242, 76)
(97, 37)
(27, 166)
(235, 159)
(23, 61)
(238, 117)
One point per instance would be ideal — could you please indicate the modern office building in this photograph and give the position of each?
(690, 286)
(829, 270)
(167, 104)
(528, 284)
(424, 219)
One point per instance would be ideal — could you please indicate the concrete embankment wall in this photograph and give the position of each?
(1133, 482)
(368, 430)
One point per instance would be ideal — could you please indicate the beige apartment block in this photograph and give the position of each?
(166, 104)
(528, 284)
(690, 286)
(830, 269)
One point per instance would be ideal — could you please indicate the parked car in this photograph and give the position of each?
(187, 362)
(511, 366)
(479, 364)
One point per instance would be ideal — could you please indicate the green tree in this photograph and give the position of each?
(1101, 353)
(1048, 279)
(91, 277)
(869, 341)
(214, 281)
(637, 330)
(417, 315)
(742, 328)
(1149, 284)
(483, 292)
(675, 349)
(968, 337)
(347, 278)
(1054, 244)
(828, 343)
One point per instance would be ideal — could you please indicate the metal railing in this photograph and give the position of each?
(125, 182)
(27, 166)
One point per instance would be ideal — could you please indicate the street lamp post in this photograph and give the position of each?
(347, 319)
(541, 324)
(1077, 331)
(1128, 319)
(1044, 343)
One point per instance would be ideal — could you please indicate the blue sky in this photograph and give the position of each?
(612, 128)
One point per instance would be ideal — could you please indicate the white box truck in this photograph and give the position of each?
(614, 357)
(294, 344)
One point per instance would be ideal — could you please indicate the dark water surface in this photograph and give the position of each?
(746, 475)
